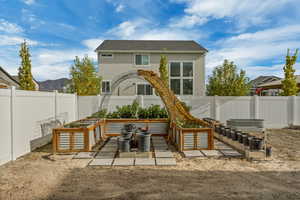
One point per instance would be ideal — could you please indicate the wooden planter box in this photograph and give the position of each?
(77, 139)
(84, 138)
(192, 138)
(157, 127)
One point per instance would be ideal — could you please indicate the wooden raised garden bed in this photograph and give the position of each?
(192, 138)
(157, 127)
(77, 136)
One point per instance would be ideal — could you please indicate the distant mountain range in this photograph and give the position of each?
(50, 85)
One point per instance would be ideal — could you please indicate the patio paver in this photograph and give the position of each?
(191, 154)
(211, 153)
(101, 162)
(164, 154)
(105, 155)
(123, 162)
(144, 161)
(84, 155)
(166, 161)
(231, 153)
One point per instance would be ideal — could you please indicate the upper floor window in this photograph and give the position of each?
(144, 89)
(181, 78)
(142, 60)
(106, 87)
(106, 55)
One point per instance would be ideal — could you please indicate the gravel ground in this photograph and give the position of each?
(41, 175)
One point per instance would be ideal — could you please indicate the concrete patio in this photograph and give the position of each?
(161, 152)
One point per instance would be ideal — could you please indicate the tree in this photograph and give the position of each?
(289, 84)
(163, 69)
(84, 78)
(227, 81)
(25, 75)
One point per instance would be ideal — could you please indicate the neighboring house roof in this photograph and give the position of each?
(277, 84)
(9, 76)
(263, 79)
(150, 46)
(16, 77)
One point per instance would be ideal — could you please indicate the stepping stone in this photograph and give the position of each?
(165, 161)
(123, 162)
(101, 162)
(84, 155)
(144, 161)
(105, 155)
(211, 153)
(231, 153)
(190, 154)
(109, 149)
(164, 154)
(224, 147)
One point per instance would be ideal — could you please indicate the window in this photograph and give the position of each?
(181, 78)
(105, 87)
(144, 89)
(142, 59)
(106, 55)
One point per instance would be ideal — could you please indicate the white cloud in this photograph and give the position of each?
(187, 21)
(245, 13)
(248, 49)
(120, 8)
(128, 28)
(7, 40)
(142, 29)
(29, 2)
(92, 43)
(8, 27)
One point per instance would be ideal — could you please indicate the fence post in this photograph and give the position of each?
(12, 121)
(293, 110)
(55, 104)
(255, 107)
(76, 106)
(216, 108)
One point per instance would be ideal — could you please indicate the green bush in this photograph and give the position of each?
(133, 111)
(152, 112)
(100, 114)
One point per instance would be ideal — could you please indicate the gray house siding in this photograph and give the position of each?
(109, 68)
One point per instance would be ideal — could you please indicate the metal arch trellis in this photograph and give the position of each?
(171, 102)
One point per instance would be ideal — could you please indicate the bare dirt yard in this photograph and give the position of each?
(40, 175)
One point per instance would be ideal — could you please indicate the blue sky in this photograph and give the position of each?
(255, 34)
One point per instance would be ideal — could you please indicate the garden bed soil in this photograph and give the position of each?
(41, 175)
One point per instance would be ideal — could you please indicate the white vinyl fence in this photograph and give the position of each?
(277, 111)
(26, 118)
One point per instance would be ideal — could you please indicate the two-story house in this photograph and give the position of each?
(186, 63)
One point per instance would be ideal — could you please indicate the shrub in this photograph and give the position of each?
(152, 112)
(100, 114)
(133, 111)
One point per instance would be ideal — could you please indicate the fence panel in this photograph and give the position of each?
(66, 107)
(275, 111)
(234, 107)
(5, 126)
(32, 109)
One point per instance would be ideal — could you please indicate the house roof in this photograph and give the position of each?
(16, 78)
(151, 46)
(9, 76)
(277, 84)
(263, 79)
